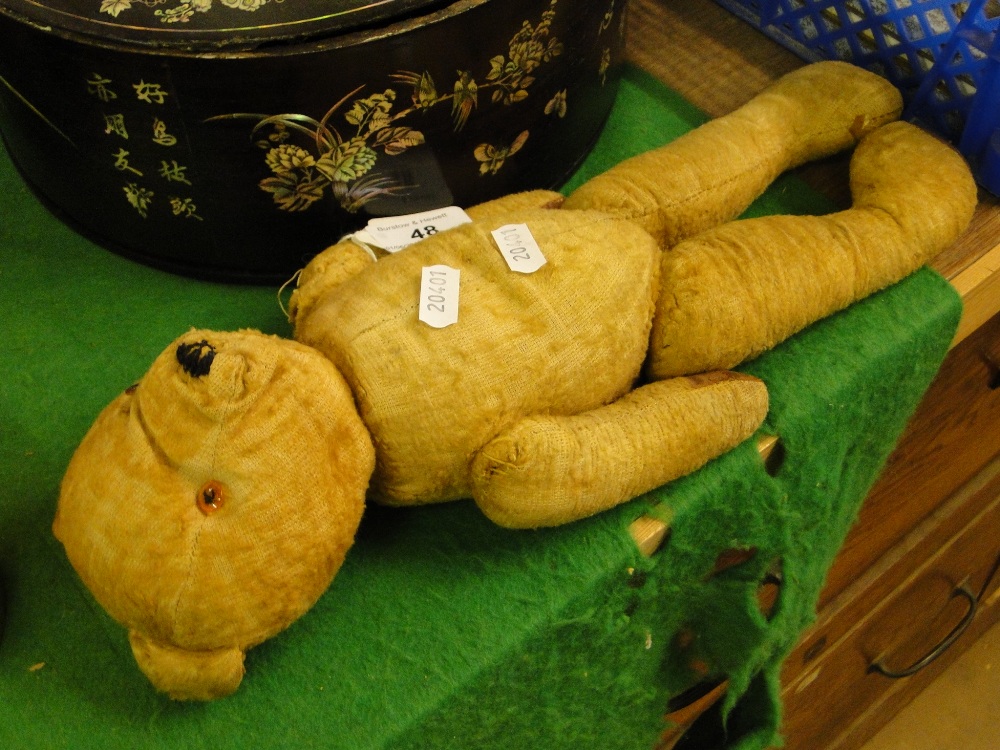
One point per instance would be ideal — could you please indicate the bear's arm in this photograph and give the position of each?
(549, 470)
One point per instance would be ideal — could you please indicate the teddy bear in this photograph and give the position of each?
(211, 504)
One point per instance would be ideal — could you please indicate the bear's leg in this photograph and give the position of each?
(735, 291)
(711, 174)
(549, 470)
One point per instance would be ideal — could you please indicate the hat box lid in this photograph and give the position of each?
(235, 139)
(207, 25)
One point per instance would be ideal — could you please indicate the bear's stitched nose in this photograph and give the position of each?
(196, 358)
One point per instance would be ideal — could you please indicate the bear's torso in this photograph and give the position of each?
(567, 338)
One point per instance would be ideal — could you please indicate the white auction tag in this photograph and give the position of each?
(393, 233)
(518, 248)
(439, 296)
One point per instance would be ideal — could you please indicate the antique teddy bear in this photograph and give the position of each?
(246, 459)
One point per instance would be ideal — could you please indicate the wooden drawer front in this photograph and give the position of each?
(954, 434)
(832, 699)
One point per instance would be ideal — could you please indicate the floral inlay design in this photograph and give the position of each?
(491, 157)
(180, 13)
(557, 104)
(337, 154)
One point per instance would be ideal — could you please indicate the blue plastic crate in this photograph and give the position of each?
(943, 55)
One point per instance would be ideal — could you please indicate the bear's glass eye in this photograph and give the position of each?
(131, 389)
(209, 498)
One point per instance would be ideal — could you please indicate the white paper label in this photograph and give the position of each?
(439, 296)
(393, 233)
(518, 248)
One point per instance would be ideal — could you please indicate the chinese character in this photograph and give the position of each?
(602, 70)
(151, 93)
(160, 134)
(115, 124)
(139, 198)
(185, 208)
(98, 86)
(173, 172)
(121, 162)
(606, 21)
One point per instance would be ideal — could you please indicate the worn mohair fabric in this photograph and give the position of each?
(443, 630)
(739, 289)
(535, 358)
(708, 178)
(530, 371)
(267, 446)
(426, 412)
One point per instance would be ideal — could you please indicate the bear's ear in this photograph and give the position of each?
(188, 675)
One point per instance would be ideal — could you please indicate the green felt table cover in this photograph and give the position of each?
(441, 630)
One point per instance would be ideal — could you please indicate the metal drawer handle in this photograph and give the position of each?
(943, 646)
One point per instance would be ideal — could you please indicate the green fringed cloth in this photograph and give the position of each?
(443, 631)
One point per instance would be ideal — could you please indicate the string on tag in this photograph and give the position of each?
(364, 246)
(281, 290)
